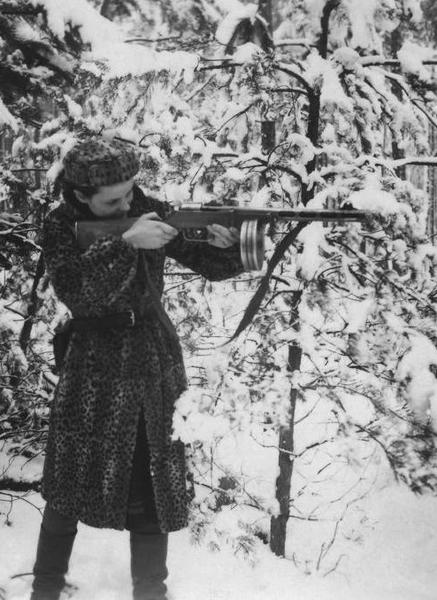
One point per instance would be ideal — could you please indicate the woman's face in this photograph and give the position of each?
(110, 201)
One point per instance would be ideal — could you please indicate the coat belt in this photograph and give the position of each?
(120, 320)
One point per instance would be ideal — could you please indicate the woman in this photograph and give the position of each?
(110, 460)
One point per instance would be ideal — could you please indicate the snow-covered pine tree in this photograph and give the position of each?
(36, 71)
(367, 311)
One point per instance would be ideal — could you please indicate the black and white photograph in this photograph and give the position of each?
(218, 299)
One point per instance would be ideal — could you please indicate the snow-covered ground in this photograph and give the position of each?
(395, 560)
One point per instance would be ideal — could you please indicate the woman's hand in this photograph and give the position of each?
(222, 237)
(149, 232)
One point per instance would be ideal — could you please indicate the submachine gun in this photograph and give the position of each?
(192, 220)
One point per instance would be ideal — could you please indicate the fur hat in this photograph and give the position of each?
(100, 162)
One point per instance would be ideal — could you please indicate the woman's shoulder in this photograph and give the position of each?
(62, 215)
(58, 227)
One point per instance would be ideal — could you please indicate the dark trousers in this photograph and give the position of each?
(148, 545)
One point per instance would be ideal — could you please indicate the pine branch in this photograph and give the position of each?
(286, 69)
(32, 306)
(375, 61)
(152, 41)
(20, 81)
(302, 42)
(225, 65)
(14, 9)
(387, 453)
(238, 114)
(401, 85)
(424, 162)
(12, 485)
(263, 287)
(296, 90)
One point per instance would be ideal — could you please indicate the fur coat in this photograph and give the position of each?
(109, 377)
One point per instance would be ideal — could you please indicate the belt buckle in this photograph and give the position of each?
(132, 319)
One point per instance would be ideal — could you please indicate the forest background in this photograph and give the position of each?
(328, 398)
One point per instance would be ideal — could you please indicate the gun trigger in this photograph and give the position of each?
(195, 234)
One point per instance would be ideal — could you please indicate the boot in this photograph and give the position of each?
(148, 565)
(51, 565)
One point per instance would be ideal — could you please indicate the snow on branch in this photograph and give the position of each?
(225, 64)
(228, 26)
(411, 57)
(13, 9)
(94, 28)
(415, 370)
(373, 162)
(378, 61)
(302, 42)
(6, 118)
(402, 86)
(107, 42)
(425, 161)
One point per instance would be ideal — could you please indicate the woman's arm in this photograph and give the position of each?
(86, 281)
(213, 263)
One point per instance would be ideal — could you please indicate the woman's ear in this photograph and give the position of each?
(81, 197)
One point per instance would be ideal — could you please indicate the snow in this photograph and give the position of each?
(235, 174)
(415, 9)
(132, 59)
(411, 56)
(361, 15)
(227, 27)
(315, 8)
(261, 198)
(107, 42)
(373, 198)
(347, 57)
(408, 526)
(247, 53)
(357, 314)
(19, 468)
(322, 73)
(301, 148)
(94, 28)
(309, 261)
(414, 368)
(6, 118)
(25, 32)
(74, 109)
(389, 544)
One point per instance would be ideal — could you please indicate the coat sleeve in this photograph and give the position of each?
(95, 278)
(213, 263)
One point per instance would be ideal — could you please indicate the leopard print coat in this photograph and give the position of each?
(109, 377)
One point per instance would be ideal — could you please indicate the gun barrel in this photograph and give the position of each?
(231, 216)
(325, 215)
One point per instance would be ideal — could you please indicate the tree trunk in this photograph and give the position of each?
(278, 525)
(432, 183)
(396, 40)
